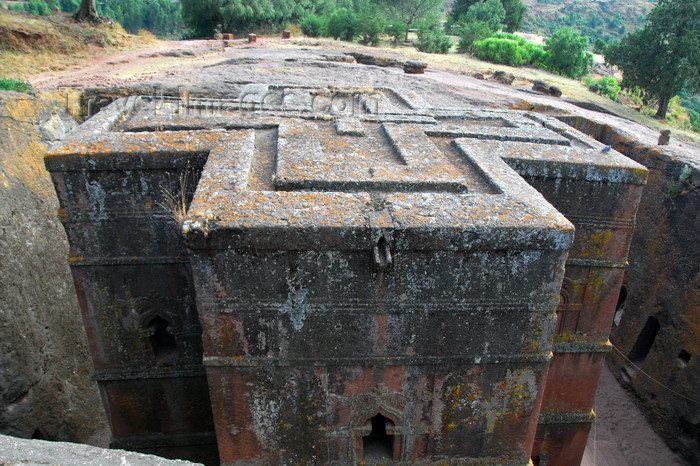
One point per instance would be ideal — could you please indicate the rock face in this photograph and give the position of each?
(657, 321)
(369, 273)
(414, 67)
(45, 367)
(136, 292)
(19, 452)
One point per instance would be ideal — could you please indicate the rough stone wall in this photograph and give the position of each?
(661, 292)
(45, 367)
(20, 452)
(134, 285)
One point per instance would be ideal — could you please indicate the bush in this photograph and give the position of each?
(538, 55)
(343, 24)
(490, 12)
(371, 24)
(397, 31)
(8, 84)
(608, 87)
(470, 33)
(567, 53)
(432, 39)
(503, 51)
(599, 46)
(312, 26)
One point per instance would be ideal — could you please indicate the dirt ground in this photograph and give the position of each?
(620, 436)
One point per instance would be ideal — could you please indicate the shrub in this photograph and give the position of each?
(8, 84)
(312, 26)
(538, 55)
(599, 46)
(567, 53)
(343, 24)
(503, 51)
(397, 31)
(490, 12)
(470, 33)
(505, 35)
(432, 39)
(371, 24)
(606, 86)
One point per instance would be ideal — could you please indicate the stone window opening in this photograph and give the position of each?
(162, 339)
(645, 340)
(641, 349)
(378, 445)
(620, 308)
(684, 357)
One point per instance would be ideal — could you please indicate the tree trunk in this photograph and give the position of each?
(87, 11)
(663, 108)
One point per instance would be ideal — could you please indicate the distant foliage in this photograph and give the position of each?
(511, 19)
(567, 53)
(490, 12)
(605, 20)
(312, 26)
(239, 16)
(343, 24)
(599, 46)
(471, 33)
(371, 24)
(503, 51)
(512, 50)
(396, 31)
(161, 17)
(37, 7)
(609, 87)
(663, 57)
(432, 38)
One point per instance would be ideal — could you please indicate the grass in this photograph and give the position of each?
(31, 44)
(9, 84)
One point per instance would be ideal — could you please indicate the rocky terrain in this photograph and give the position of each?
(46, 390)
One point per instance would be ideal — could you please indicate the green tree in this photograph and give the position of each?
(664, 56)
(514, 12)
(432, 37)
(490, 12)
(470, 33)
(343, 24)
(312, 25)
(241, 15)
(567, 53)
(410, 12)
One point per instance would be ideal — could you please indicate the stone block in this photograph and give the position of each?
(414, 67)
(373, 280)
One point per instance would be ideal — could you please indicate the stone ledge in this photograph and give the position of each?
(15, 451)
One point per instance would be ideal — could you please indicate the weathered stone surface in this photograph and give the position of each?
(16, 452)
(135, 288)
(541, 86)
(414, 67)
(503, 77)
(376, 60)
(341, 243)
(45, 368)
(657, 315)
